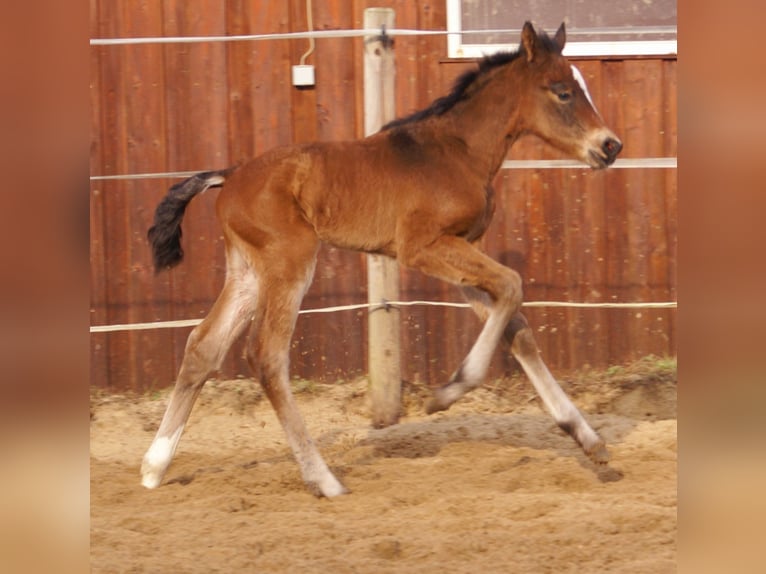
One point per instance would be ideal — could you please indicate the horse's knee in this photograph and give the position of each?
(508, 290)
(200, 357)
(267, 367)
(517, 324)
(253, 358)
(521, 339)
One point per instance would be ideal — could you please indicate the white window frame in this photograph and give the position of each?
(459, 46)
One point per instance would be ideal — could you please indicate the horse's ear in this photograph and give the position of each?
(561, 37)
(529, 40)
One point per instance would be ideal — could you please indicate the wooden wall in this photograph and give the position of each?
(573, 234)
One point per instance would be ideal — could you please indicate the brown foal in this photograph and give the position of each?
(419, 191)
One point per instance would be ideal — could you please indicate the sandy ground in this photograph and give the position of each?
(492, 485)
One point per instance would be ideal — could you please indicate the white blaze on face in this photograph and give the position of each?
(580, 80)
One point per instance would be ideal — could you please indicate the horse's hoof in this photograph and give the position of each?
(432, 406)
(327, 487)
(331, 492)
(442, 399)
(598, 453)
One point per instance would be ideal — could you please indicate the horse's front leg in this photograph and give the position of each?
(456, 260)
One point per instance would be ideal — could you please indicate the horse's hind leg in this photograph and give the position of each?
(205, 349)
(268, 355)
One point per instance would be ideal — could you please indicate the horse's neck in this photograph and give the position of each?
(485, 122)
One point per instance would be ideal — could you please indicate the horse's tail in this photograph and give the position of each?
(165, 234)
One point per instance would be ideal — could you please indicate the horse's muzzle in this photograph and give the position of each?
(611, 147)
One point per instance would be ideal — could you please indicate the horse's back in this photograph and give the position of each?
(354, 194)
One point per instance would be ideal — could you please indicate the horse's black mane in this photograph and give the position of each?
(466, 80)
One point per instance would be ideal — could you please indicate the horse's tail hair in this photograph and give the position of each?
(165, 235)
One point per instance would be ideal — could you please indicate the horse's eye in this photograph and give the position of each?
(564, 96)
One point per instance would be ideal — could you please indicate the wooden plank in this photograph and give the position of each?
(417, 349)
(537, 263)
(594, 350)
(111, 143)
(670, 187)
(303, 100)
(571, 260)
(196, 109)
(240, 83)
(615, 209)
(557, 218)
(132, 120)
(99, 365)
(642, 124)
(273, 83)
(335, 86)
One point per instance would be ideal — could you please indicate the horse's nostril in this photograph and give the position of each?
(611, 147)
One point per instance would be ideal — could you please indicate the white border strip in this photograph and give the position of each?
(386, 305)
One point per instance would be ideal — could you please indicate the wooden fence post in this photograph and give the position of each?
(382, 272)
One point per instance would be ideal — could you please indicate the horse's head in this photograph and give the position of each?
(556, 105)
